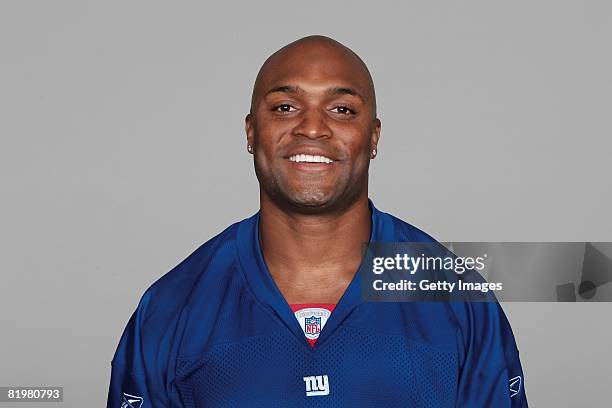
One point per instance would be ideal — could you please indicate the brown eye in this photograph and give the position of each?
(343, 110)
(284, 108)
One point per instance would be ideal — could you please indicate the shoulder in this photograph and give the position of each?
(479, 322)
(157, 316)
(212, 259)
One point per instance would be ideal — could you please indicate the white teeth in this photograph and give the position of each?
(307, 158)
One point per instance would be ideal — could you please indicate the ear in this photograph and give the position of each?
(249, 127)
(375, 136)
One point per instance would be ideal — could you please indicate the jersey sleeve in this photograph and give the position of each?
(136, 379)
(491, 374)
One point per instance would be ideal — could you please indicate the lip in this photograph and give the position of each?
(309, 167)
(313, 152)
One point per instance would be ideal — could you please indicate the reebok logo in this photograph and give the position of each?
(316, 385)
(131, 401)
(515, 385)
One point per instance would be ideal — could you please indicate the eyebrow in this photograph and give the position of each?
(335, 90)
(286, 89)
(339, 90)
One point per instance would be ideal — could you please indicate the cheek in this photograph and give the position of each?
(358, 147)
(265, 140)
(357, 143)
(361, 164)
(272, 131)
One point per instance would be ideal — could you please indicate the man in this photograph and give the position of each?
(269, 312)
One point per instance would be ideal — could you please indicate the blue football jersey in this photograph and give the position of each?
(215, 331)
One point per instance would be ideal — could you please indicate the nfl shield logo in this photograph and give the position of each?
(312, 325)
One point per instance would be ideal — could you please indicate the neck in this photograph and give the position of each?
(313, 257)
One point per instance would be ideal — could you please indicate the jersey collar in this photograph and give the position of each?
(267, 293)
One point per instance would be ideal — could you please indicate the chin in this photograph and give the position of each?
(311, 200)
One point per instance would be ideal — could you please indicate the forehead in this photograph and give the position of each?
(314, 67)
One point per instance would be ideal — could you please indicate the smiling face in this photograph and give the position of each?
(312, 126)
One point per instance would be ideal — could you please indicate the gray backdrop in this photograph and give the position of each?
(123, 149)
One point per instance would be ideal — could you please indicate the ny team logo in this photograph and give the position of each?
(316, 385)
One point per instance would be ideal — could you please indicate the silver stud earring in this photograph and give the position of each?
(373, 153)
(250, 148)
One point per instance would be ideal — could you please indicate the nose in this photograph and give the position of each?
(313, 125)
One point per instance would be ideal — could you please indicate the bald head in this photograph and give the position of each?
(320, 58)
(313, 98)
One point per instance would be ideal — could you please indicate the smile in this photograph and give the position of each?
(308, 158)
